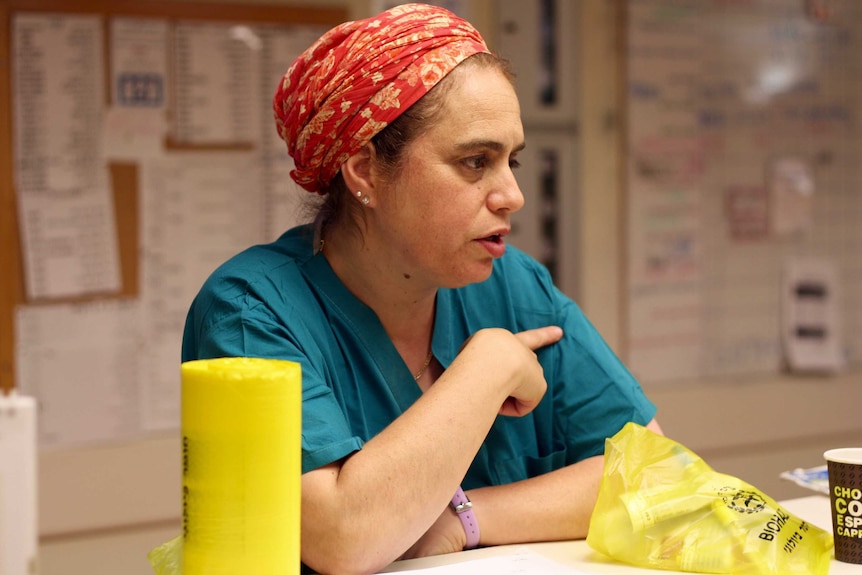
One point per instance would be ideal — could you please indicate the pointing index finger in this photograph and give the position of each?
(540, 337)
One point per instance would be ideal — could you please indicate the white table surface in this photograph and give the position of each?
(814, 509)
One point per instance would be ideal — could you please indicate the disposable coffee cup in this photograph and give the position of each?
(845, 494)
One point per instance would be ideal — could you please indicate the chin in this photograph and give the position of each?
(476, 274)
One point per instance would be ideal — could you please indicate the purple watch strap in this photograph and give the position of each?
(462, 506)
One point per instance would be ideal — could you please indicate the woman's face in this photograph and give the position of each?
(445, 214)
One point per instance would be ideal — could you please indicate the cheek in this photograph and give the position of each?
(434, 197)
(448, 220)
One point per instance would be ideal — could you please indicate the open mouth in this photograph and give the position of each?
(495, 244)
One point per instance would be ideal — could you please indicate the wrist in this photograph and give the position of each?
(463, 508)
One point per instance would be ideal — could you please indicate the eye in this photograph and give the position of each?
(514, 163)
(476, 162)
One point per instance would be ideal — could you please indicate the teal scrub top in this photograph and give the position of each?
(283, 301)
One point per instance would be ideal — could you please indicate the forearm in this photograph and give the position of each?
(554, 506)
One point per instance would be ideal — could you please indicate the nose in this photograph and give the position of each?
(507, 194)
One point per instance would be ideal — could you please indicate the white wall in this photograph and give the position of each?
(102, 509)
(755, 428)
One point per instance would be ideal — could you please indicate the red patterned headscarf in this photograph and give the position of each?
(360, 76)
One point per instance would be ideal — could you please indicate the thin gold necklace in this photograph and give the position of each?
(425, 365)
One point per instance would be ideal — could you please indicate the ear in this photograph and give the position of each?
(358, 171)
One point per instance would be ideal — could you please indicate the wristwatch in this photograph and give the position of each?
(464, 508)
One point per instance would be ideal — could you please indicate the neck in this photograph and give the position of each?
(404, 305)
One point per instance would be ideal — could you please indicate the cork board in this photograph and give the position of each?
(122, 175)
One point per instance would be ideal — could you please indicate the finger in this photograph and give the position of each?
(540, 337)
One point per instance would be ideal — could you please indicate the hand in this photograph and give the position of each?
(533, 339)
(512, 358)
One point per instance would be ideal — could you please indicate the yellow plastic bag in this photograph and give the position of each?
(661, 506)
(167, 558)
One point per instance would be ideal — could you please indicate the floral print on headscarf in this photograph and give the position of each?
(359, 77)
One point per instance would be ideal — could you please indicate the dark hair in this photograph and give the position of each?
(391, 142)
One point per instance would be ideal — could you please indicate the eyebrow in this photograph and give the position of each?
(489, 144)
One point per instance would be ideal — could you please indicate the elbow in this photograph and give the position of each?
(655, 427)
(342, 568)
(344, 564)
(339, 556)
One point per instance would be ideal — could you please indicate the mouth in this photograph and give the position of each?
(495, 238)
(494, 244)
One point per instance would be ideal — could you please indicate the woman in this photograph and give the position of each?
(433, 357)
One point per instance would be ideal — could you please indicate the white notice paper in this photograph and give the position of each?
(58, 87)
(792, 196)
(82, 362)
(139, 63)
(66, 212)
(216, 91)
(130, 134)
(197, 210)
(70, 244)
(135, 126)
(521, 561)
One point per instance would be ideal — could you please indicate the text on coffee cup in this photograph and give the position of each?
(848, 511)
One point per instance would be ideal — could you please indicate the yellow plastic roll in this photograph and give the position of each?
(241, 426)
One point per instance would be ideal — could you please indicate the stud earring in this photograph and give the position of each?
(363, 199)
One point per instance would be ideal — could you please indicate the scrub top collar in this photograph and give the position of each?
(365, 323)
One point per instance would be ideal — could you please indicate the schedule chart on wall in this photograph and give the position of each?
(65, 210)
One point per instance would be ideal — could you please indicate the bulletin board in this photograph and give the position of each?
(743, 142)
(137, 150)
